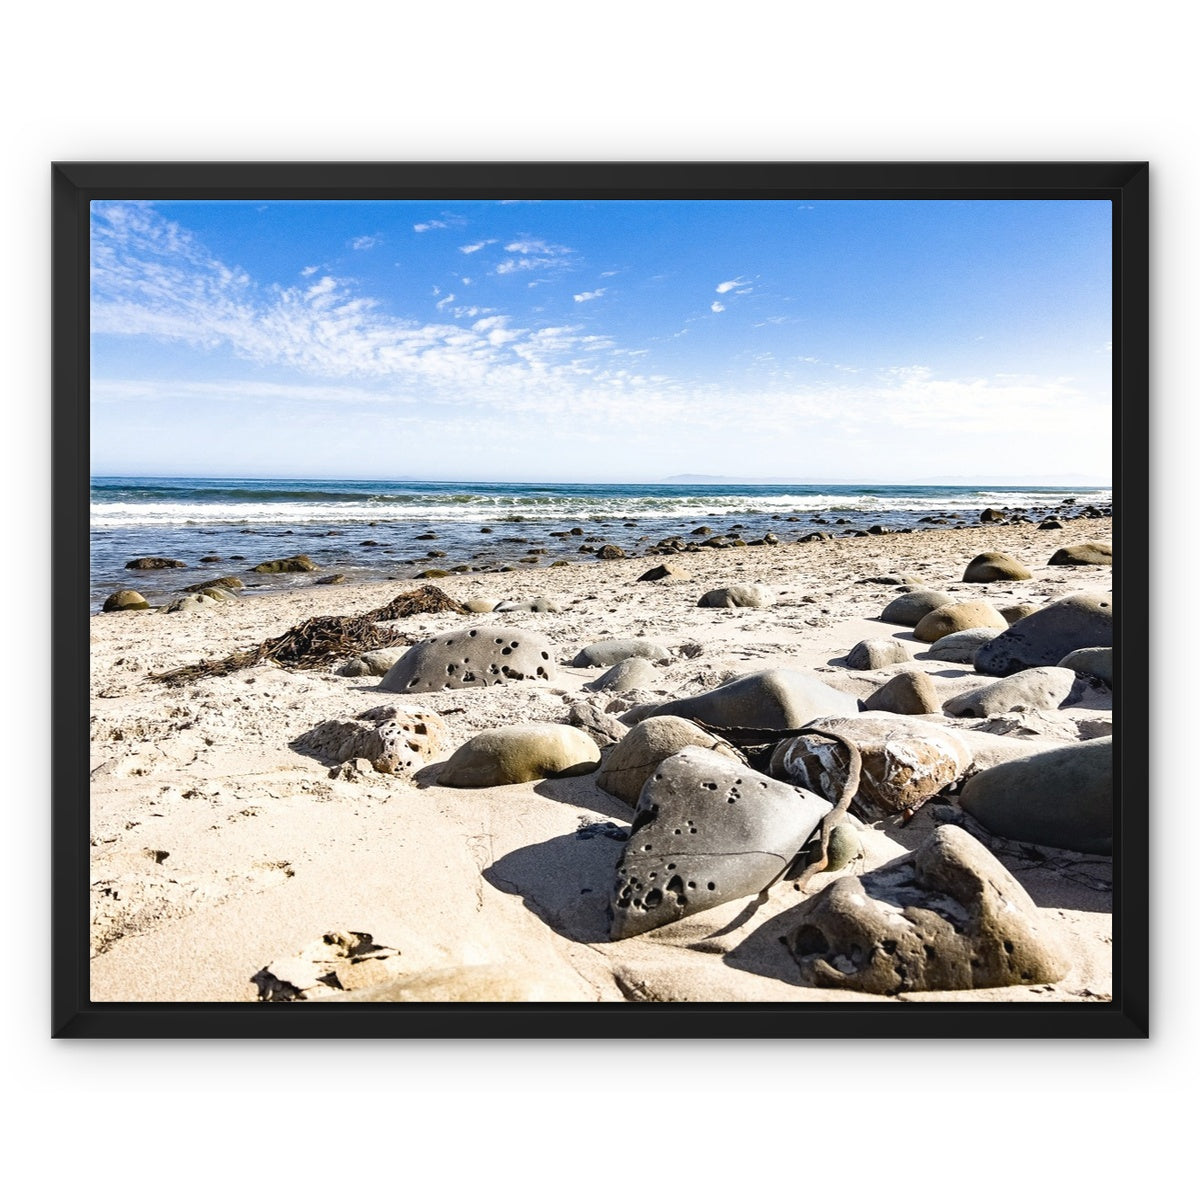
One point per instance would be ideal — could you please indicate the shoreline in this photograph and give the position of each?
(219, 848)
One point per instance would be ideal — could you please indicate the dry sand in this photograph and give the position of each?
(218, 849)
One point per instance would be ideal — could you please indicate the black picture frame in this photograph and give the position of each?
(76, 184)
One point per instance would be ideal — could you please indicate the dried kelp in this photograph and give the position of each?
(322, 640)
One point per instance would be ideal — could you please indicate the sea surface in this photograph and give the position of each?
(375, 529)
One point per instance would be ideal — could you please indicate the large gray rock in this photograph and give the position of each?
(615, 650)
(905, 761)
(947, 917)
(626, 676)
(907, 692)
(519, 754)
(1046, 637)
(955, 618)
(1061, 797)
(1093, 661)
(1085, 554)
(637, 756)
(909, 608)
(1039, 687)
(960, 647)
(738, 595)
(777, 699)
(478, 657)
(873, 653)
(993, 565)
(706, 831)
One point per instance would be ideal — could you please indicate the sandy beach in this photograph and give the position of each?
(223, 855)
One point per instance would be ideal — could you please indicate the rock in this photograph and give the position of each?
(1061, 797)
(482, 984)
(909, 693)
(610, 552)
(706, 831)
(960, 647)
(231, 582)
(1046, 637)
(636, 757)
(373, 662)
(845, 846)
(603, 728)
(489, 654)
(153, 564)
(1013, 613)
(625, 676)
(1085, 554)
(738, 595)
(341, 959)
(336, 578)
(777, 699)
(537, 604)
(1093, 661)
(909, 608)
(874, 653)
(279, 566)
(816, 536)
(615, 650)
(665, 571)
(955, 618)
(905, 761)
(1050, 523)
(394, 741)
(1038, 687)
(519, 754)
(189, 604)
(125, 600)
(432, 573)
(991, 515)
(480, 605)
(221, 595)
(947, 917)
(993, 565)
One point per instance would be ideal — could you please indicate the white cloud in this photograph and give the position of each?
(475, 246)
(717, 306)
(445, 302)
(730, 284)
(426, 226)
(581, 297)
(366, 242)
(535, 246)
(310, 270)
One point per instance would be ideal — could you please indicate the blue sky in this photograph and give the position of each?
(870, 341)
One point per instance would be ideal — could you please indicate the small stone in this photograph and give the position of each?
(153, 563)
(738, 595)
(665, 571)
(960, 647)
(226, 581)
(1085, 554)
(609, 552)
(125, 600)
(909, 693)
(615, 650)
(628, 675)
(954, 618)
(909, 608)
(1013, 613)
(874, 653)
(993, 565)
(1096, 662)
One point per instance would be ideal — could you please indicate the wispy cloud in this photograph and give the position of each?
(474, 247)
(309, 270)
(534, 255)
(582, 297)
(717, 306)
(366, 242)
(730, 284)
(426, 226)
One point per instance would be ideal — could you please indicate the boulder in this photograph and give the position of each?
(776, 699)
(1013, 613)
(1093, 661)
(281, 566)
(954, 618)
(909, 608)
(1061, 797)
(738, 595)
(665, 571)
(1085, 554)
(625, 676)
(520, 753)
(479, 604)
(1050, 523)
(960, 647)
(1038, 687)
(873, 653)
(947, 917)
(816, 536)
(610, 552)
(373, 662)
(615, 650)
(489, 654)
(230, 582)
(907, 692)
(706, 830)
(1047, 636)
(152, 563)
(537, 604)
(905, 761)
(993, 565)
(125, 600)
(189, 604)
(395, 741)
(636, 757)
(991, 515)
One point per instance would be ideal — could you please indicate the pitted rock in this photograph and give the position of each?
(1046, 637)
(480, 657)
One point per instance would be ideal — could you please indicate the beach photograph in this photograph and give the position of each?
(601, 602)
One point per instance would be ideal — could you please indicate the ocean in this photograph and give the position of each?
(371, 530)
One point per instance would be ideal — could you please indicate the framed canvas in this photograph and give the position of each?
(575, 600)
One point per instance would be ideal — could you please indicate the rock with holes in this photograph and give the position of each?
(373, 662)
(395, 741)
(909, 608)
(637, 756)
(481, 657)
(993, 565)
(1086, 554)
(776, 699)
(873, 653)
(707, 830)
(1061, 797)
(125, 600)
(907, 692)
(947, 917)
(960, 647)
(954, 618)
(1095, 662)
(1039, 687)
(519, 754)
(615, 650)
(1046, 637)
(626, 676)
(905, 761)
(738, 595)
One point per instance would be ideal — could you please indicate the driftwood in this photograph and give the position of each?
(321, 640)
